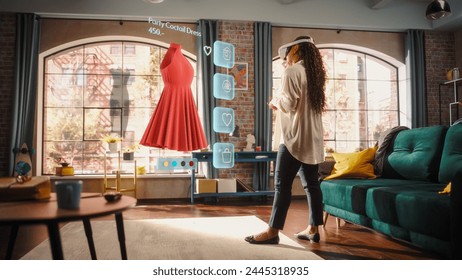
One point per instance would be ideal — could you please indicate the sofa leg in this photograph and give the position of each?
(326, 216)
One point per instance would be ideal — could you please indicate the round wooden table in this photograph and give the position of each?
(46, 212)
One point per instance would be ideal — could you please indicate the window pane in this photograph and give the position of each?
(351, 146)
(68, 151)
(348, 65)
(129, 50)
(63, 124)
(351, 125)
(99, 60)
(92, 159)
(382, 95)
(278, 68)
(145, 91)
(68, 61)
(61, 90)
(349, 94)
(145, 59)
(329, 121)
(102, 91)
(136, 123)
(329, 147)
(101, 122)
(379, 70)
(328, 58)
(379, 121)
(330, 94)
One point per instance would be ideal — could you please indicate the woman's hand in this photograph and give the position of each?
(271, 106)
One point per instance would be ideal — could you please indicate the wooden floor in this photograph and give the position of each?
(348, 241)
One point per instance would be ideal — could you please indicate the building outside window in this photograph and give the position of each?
(94, 90)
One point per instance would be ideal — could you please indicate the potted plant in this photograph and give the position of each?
(112, 140)
(129, 153)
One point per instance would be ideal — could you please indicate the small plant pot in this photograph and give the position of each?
(129, 156)
(112, 147)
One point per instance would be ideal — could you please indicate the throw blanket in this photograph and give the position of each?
(385, 144)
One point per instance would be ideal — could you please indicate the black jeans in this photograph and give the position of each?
(286, 169)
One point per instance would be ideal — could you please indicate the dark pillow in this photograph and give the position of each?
(385, 144)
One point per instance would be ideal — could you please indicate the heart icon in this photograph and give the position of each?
(207, 50)
(227, 118)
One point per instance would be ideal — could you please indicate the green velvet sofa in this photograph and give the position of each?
(404, 202)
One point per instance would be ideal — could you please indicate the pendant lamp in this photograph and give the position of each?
(438, 9)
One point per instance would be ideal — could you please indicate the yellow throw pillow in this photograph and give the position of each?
(354, 165)
(446, 190)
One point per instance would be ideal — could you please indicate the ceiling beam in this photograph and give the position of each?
(378, 4)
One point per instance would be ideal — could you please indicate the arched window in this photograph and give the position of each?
(362, 93)
(95, 89)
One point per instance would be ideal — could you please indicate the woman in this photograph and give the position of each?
(299, 107)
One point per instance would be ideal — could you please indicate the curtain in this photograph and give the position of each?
(263, 89)
(23, 107)
(415, 63)
(206, 70)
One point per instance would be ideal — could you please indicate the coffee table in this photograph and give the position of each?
(92, 205)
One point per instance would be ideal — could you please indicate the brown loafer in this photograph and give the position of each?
(311, 237)
(273, 240)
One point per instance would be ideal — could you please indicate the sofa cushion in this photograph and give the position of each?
(350, 194)
(451, 159)
(456, 215)
(387, 204)
(425, 212)
(416, 154)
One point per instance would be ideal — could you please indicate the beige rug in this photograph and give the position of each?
(175, 239)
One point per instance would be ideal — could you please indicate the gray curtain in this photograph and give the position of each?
(206, 70)
(263, 90)
(23, 107)
(415, 62)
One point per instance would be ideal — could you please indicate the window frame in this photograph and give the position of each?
(88, 41)
(402, 110)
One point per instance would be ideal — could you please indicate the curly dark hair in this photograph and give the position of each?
(315, 73)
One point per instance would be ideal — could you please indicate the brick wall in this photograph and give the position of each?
(7, 54)
(241, 35)
(440, 56)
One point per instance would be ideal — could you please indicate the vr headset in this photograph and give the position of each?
(282, 51)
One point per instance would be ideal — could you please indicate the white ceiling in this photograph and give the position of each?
(382, 15)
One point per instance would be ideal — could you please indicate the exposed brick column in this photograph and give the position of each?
(241, 35)
(7, 57)
(440, 57)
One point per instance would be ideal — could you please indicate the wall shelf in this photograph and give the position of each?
(454, 84)
(254, 157)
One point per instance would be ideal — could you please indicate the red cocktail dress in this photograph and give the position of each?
(175, 124)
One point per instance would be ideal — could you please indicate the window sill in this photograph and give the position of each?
(144, 176)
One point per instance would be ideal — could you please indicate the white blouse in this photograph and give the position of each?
(300, 126)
